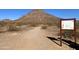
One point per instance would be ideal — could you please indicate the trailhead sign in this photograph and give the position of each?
(67, 24)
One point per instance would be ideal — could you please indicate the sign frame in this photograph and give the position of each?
(74, 29)
(66, 23)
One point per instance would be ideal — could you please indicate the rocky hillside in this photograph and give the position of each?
(38, 16)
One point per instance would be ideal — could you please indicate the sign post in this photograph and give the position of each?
(67, 24)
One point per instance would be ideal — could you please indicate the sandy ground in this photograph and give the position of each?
(33, 39)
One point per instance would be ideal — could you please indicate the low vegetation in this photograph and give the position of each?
(44, 26)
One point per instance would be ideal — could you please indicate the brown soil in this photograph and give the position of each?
(32, 39)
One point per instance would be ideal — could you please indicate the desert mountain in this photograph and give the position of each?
(38, 16)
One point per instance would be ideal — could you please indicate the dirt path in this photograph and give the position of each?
(32, 39)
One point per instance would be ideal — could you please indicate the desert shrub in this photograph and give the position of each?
(44, 26)
(13, 28)
(33, 25)
(68, 33)
(1, 31)
(49, 24)
(77, 23)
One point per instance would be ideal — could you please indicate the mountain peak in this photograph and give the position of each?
(37, 10)
(38, 16)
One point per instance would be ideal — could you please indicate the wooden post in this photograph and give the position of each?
(60, 34)
(75, 31)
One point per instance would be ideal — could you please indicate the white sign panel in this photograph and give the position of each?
(67, 24)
